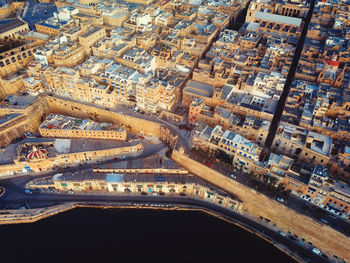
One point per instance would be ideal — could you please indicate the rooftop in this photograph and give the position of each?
(11, 25)
(57, 121)
(278, 18)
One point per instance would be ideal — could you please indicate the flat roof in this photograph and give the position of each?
(57, 121)
(278, 18)
(91, 31)
(11, 25)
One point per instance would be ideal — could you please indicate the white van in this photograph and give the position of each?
(316, 251)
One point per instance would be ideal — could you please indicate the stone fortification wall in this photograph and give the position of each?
(75, 158)
(259, 205)
(32, 117)
(78, 110)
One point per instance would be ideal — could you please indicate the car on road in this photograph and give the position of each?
(28, 191)
(280, 199)
(316, 251)
(324, 221)
(233, 176)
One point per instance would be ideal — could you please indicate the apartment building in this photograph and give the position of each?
(243, 151)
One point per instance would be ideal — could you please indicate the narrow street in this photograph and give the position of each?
(290, 77)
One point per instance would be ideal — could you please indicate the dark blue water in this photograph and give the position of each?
(100, 235)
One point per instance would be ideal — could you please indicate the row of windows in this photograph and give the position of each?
(335, 202)
(109, 134)
(15, 59)
(14, 34)
(68, 56)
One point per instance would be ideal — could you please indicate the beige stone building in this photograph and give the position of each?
(69, 54)
(153, 184)
(91, 37)
(244, 152)
(47, 29)
(33, 86)
(57, 125)
(15, 59)
(11, 30)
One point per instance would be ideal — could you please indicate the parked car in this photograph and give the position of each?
(324, 221)
(28, 191)
(233, 176)
(280, 199)
(316, 251)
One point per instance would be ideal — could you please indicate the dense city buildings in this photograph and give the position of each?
(199, 76)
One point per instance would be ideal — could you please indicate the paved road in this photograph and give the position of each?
(15, 185)
(184, 140)
(282, 101)
(35, 12)
(304, 207)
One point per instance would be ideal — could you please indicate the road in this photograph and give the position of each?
(304, 207)
(35, 12)
(282, 101)
(183, 139)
